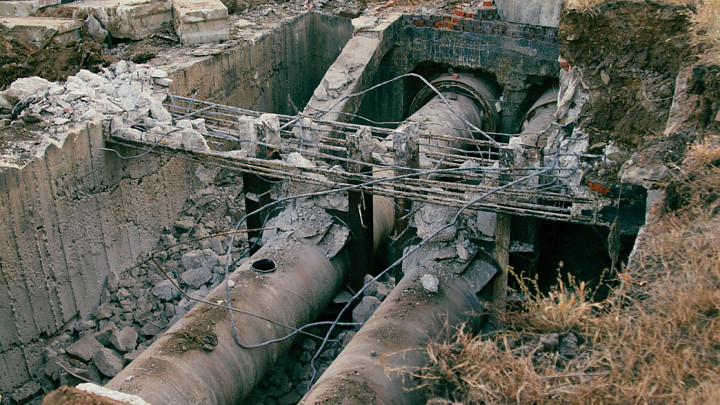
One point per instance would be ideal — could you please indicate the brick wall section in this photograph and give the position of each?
(485, 22)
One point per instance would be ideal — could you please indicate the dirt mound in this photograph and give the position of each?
(54, 62)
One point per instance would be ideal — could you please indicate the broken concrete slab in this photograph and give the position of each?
(41, 30)
(131, 19)
(201, 21)
(28, 87)
(24, 8)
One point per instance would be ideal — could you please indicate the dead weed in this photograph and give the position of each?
(704, 15)
(706, 27)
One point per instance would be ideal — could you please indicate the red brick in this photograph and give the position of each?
(455, 21)
(598, 188)
(459, 13)
(446, 18)
(469, 15)
(419, 23)
(438, 24)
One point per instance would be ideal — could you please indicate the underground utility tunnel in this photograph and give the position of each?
(294, 182)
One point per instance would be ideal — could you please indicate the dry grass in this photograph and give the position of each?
(704, 17)
(590, 5)
(656, 339)
(706, 27)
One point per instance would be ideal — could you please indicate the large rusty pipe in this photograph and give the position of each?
(466, 99)
(539, 118)
(435, 118)
(408, 319)
(185, 366)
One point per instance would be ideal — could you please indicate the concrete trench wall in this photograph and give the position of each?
(68, 218)
(286, 63)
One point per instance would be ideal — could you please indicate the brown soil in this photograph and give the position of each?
(629, 54)
(54, 62)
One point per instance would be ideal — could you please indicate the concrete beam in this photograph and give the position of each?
(502, 255)
(534, 12)
(354, 68)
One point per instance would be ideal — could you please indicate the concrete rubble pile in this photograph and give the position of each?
(451, 251)
(131, 93)
(139, 304)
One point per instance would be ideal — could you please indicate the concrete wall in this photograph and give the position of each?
(534, 12)
(67, 219)
(286, 63)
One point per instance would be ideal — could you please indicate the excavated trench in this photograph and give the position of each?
(80, 295)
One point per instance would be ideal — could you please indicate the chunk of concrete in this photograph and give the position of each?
(125, 339)
(84, 349)
(96, 31)
(362, 312)
(200, 259)
(166, 291)
(193, 140)
(107, 362)
(24, 8)
(200, 21)
(28, 86)
(196, 277)
(131, 19)
(159, 112)
(430, 283)
(40, 30)
(429, 218)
